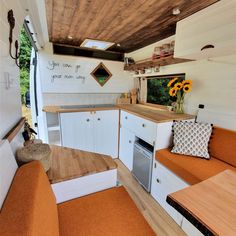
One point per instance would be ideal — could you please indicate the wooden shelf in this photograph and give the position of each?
(164, 61)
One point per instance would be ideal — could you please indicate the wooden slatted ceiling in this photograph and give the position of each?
(131, 23)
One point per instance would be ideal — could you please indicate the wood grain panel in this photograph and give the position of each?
(209, 205)
(67, 163)
(14, 131)
(133, 24)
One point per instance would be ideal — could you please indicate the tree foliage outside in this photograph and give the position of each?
(158, 92)
(24, 60)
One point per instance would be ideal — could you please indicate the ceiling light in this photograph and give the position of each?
(96, 44)
(176, 11)
(70, 37)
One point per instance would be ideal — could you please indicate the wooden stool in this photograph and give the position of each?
(40, 152)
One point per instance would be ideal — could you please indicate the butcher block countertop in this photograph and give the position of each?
(210, 204)
(154, 114)
(67, 163)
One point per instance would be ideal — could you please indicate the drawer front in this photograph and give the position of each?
(165, 182)
(142, 128)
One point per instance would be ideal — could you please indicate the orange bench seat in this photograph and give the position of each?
(30, 209)
(110, 212)
(191, 169)
(194, 170)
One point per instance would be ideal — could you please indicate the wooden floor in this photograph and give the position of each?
(156, 216)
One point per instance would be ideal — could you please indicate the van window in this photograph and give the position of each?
(157, 90)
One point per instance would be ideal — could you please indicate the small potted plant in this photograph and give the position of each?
(178, 89)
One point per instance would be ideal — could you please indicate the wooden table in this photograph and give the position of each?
(210, 205)
(67, 163)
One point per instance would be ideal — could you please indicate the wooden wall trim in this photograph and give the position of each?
(14, 131)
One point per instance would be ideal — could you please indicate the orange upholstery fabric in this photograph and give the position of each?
(191, 169)
(223, 145)
(110, 212)
(30, 207)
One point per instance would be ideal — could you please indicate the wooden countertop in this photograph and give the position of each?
(58, 109)
(209, 205)
(154, 114)
(67, 163)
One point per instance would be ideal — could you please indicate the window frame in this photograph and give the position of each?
(155, 105)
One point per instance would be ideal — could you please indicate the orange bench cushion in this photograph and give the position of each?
(30, 207)
(191, 169)
(110, 212)
(222, 145)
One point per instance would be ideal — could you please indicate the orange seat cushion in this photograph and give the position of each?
(191, 169)
(110, 212)
(222, 145)
(30, 207)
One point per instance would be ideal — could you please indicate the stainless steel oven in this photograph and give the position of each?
(142, 163)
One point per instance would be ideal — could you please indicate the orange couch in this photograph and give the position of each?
(194, 170)
(30, 209)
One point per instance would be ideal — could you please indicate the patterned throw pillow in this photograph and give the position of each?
(191, 138)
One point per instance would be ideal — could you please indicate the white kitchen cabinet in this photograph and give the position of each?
(126, 149)
(165, 182)
(143, 128)
(95, 131)
(214, 25)
(106, 128)
(77, 130)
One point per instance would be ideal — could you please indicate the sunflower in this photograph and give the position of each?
(178, 86)
(173, 92)
(187, 88)
(170, 84)
(187, 82)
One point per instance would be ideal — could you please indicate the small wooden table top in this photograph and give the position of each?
(67, 163)
(210, 205)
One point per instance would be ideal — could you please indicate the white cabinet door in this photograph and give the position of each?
(77, 130)
(214, 25)
(165, 182)
(143, 128)
(106, 128)
(126, 147)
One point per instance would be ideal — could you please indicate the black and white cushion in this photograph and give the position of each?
(191, 138)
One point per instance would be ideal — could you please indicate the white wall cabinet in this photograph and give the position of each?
(213, 25)
(95, 131)
(165, 182)
(126, 149)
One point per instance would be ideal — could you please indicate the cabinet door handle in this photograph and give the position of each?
(208, 46)
(126, 118)
(99, 119)
(143, 125)
(158, 181)
(88, 120)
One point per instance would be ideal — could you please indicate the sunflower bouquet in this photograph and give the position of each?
(178, 89)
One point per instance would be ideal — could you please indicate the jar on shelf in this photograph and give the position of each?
(156, 53)
(165, 50)
(172, 47)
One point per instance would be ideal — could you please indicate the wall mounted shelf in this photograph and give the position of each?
(148, 63)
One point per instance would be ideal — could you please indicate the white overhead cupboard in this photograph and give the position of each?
(207, 33)
(94, 131)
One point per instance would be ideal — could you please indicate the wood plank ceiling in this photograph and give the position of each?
(131, 23)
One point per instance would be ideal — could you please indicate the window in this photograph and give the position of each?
(157, 90)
